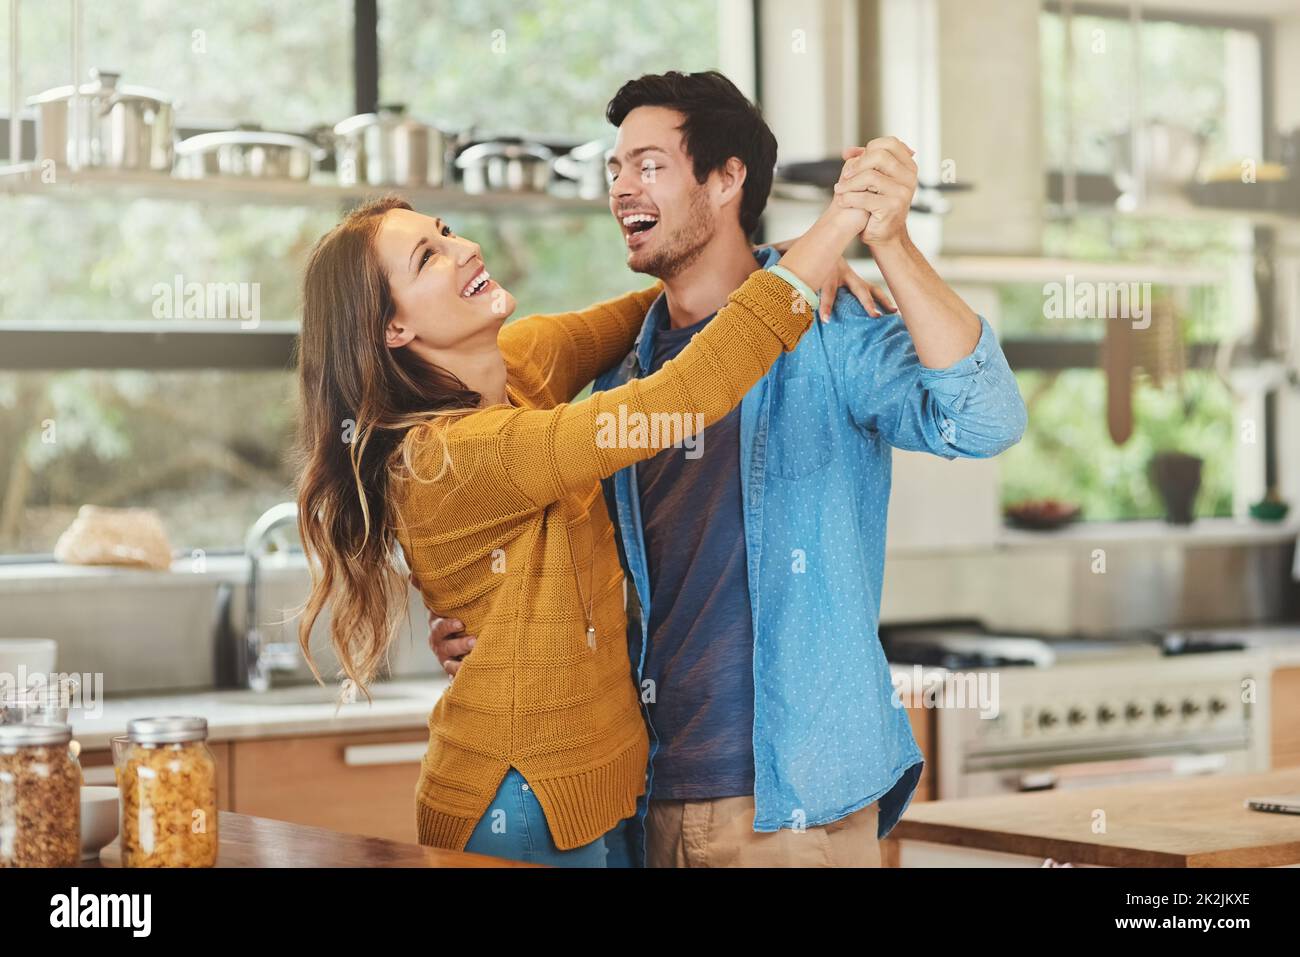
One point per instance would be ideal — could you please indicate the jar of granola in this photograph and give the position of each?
(40, 797)
(169, 794)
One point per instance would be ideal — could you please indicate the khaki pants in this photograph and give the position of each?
(720, 833)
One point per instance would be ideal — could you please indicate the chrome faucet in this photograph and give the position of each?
(263, 657)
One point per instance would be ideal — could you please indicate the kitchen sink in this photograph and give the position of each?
(309, 694)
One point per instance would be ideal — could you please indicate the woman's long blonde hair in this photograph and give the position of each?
(358, 399)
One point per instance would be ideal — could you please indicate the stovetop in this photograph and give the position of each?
(966, 645)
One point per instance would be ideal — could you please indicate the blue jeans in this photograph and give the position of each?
(514, 827)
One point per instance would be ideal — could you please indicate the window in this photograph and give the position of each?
(207, 447)
(1195, 76)
(1207, 78)
(495, 64)
(282, 65)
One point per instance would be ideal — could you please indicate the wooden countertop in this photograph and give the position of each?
(246, 841)
(1196, 822)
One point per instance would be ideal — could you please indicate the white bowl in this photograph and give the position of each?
(37, 654)
(99, 820)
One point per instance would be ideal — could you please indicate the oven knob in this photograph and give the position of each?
(1218, 705)
(1076, 716)
(1133, 711)
(1046, 719)
(1161, 710)
(1105, 715)
(1190, 707)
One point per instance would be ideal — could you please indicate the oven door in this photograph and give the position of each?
(1059, 772)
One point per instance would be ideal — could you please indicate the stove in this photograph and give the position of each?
(1023, 712)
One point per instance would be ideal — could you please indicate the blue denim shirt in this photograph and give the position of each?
(816, 441)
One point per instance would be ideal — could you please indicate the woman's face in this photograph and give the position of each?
(440, 286)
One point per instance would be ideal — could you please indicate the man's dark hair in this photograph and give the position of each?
(719, 123)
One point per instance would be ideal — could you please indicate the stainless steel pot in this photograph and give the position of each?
(585, 165)
(504, 165)
(108, 125)
(254, 154)
(389, 149)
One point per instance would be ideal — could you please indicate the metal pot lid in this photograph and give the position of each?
(390, 116)
(204, 142)
(591, 150)
(102, 81)
(27, 735)
(170, 730)
(505, 149)
(355, 124)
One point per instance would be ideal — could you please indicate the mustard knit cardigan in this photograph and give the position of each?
(503, 502)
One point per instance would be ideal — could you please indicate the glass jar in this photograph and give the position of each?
(39, 704)
(169, 794)
(40, 797)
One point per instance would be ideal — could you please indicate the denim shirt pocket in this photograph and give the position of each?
(800, 441)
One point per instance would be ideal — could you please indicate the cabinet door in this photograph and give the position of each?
(1285, 725)
(923, 728)
(356, 783)
(922, 720)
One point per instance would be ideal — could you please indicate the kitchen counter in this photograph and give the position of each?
(237, 714)
(242, 715)
(246, 841)
(1199, 822)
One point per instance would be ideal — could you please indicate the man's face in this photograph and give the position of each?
(666, 216)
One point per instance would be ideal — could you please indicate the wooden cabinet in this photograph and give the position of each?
(923, 727)
(364, 783)
(1284, 708)
(923, 722)
(359, 783)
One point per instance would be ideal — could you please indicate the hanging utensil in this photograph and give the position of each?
(1117, 359)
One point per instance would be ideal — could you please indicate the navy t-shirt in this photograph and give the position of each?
(701, 646)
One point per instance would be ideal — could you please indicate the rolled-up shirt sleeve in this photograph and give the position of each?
(970, 409)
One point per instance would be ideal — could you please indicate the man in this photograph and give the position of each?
(755, 568)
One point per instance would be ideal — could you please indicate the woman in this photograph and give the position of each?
(428, 426)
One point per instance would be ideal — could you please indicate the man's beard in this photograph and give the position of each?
(680, 250)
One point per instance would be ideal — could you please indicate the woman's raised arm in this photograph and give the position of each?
(571, 348)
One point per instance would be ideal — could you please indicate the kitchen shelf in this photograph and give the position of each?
(1180, 211)
(25, 179)
(1042, 269)
(1201, 533)
(1086, 535)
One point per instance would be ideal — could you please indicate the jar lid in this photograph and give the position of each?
(25, 735)
(169, 730)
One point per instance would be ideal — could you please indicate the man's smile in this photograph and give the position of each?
(637, 226)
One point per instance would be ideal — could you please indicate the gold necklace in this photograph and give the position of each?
(591, 629)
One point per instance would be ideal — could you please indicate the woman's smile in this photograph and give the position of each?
(478, 283)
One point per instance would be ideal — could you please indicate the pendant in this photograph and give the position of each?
(591, 637)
